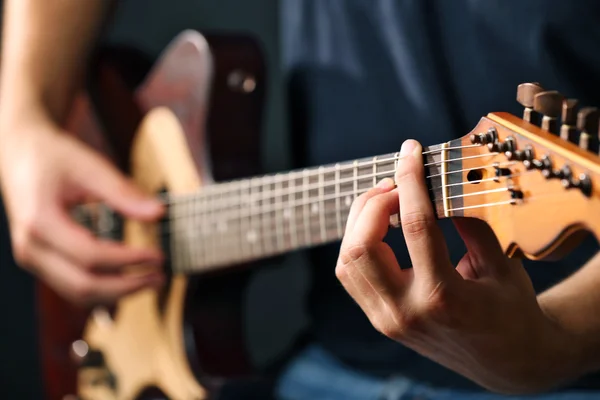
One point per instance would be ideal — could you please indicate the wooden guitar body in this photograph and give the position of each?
(195, 119)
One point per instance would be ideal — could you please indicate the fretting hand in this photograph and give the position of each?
(480, 318)
(44, 171)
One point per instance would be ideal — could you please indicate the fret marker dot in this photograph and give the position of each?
(251, 236)
(315, 208)
(348, 201)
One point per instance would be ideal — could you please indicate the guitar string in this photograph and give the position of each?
(207, 216)
(335, 183)
(286, 205)
(271, 194)
(231, 247)
(269, 232)
(261, 253)
(312, 172)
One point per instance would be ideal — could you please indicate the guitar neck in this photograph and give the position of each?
(244, 220)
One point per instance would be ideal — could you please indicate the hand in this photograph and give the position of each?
(480, 318)
(43, 172)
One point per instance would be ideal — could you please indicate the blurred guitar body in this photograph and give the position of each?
(229, 75)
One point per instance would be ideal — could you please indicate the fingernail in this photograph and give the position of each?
(386, 183)
(409, 147)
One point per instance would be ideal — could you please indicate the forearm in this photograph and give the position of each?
(574, 305)
(45, 47)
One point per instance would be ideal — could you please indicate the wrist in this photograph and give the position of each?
(562, 352)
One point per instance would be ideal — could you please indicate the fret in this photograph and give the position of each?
(255, 231)
(322, 205)
(211, 251)
(355, 179)
(245, 201)
(185, 228)
(375, 178)
(314, 224)
(263, 211)
(279, 212)
(306, 215)
(444, 172)
(290, 210)
(234, 224)
(194, 233)
(338, 216)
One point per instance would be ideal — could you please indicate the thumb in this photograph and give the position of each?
(484, 250)
(105, 182)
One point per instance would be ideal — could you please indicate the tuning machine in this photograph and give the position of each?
(587, 123)
(526, 93)
(569, 120)
(549, 104)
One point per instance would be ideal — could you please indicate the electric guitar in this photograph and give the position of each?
(514, 172)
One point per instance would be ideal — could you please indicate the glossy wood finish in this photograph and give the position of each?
(234, 116)
(538, 225)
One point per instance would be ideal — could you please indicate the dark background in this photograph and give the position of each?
(272, 325)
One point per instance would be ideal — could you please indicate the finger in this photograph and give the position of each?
(483, 248)
(110, 186)
(58, 231)
(81, 286)
(365, 250)
(424, 239)
(384, 185)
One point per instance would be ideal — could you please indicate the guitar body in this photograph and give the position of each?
(195, 119)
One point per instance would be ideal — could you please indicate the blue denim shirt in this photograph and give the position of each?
(364, 75)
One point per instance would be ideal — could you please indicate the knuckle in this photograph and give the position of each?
(407, 320)
(352, 254)
(385, 329)
(436, 305)
(83, 290)
(416, 223)
(388, 327)
(361, 200)
(23, 240)
(341, 271)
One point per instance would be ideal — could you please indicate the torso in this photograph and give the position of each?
(365, 75)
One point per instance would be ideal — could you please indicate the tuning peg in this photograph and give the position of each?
(569, 119)
(587, 122)
(549, 104)
(525, 94)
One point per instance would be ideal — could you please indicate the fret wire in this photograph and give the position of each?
(293, 236)
(254, 232)
(244, 222)
(305, 202)
(279, 213)
(374, 171)
(264, 216)
(338, 218)
(321, 205)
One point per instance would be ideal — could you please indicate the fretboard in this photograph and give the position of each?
(243, 220)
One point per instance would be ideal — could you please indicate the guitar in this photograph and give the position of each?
(506, 171)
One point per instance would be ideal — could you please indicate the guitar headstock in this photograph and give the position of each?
(535, 178)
